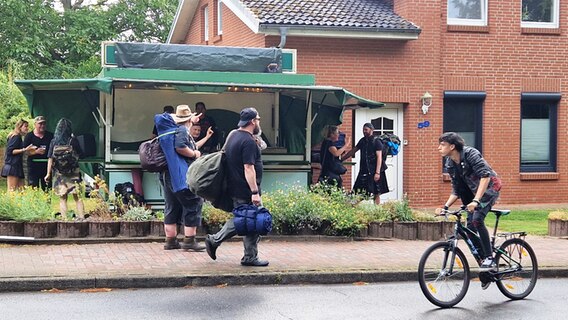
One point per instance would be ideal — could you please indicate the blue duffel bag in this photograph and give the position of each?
(250, 219)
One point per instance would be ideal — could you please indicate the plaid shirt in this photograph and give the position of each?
(474, 167)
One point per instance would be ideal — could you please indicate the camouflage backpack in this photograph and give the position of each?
(65, 159)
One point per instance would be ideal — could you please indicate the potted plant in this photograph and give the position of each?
(213, 219)
(102, 222)
(28, 206)
(157, 224)
(558, 224)
(135, 222)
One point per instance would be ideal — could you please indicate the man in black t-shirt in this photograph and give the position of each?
(371, 178)
(40, 139)
(244, 174)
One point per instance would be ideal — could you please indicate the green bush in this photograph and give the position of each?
(137, 213)
(27, 205)
(214, 217)
(329, 210)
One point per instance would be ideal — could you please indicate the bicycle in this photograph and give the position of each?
(444, 273)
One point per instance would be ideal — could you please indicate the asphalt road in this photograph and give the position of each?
(402, 300)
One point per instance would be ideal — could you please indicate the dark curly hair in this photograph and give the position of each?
(63, 132)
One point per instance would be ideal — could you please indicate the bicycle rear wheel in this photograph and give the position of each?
(441, 286)
(517, 259)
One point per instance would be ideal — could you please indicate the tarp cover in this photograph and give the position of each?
(197, 58)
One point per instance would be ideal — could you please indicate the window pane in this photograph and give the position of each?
(461, 117)
(537, 10)
(464, 9)
(535, 141)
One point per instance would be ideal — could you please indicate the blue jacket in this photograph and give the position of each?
(177, 166)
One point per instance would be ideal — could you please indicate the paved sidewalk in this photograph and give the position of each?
(304, 260)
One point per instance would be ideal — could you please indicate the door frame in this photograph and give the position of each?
(360, 117)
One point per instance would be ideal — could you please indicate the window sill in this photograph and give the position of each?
(446, 177)
(551, 31)
(527, 176)
(459, 28)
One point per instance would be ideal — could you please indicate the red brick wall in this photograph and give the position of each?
(502, 59)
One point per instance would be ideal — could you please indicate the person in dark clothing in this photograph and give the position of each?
(329, 155)
(13, 169)
(207, 123)
(65, 183)
(371, 178)
(41, 138)
(476, 184)
(244, 175)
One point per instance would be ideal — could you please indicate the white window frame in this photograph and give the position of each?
(219, 17)
(469, 22)
(206, 23)
(555, 18)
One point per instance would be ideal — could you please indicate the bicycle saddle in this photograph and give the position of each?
(500, 212)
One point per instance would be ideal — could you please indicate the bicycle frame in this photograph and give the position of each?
(472, 240)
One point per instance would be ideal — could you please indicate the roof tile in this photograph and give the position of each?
(360, 14)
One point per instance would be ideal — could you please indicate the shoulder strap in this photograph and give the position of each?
(228, 137)
(165, 134)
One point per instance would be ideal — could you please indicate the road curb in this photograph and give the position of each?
(231, 279)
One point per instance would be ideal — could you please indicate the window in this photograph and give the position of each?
(540, 13)
(463, 115)
(205, 24)
(467, 12)
(538, 132)
(219, 15)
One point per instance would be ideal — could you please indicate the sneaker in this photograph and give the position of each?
(485, 285)
(487, 265)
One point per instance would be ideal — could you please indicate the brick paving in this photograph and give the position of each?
(149, 259)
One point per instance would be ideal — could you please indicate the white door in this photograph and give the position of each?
(388, 119)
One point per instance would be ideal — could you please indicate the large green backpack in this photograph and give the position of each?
(65, 159)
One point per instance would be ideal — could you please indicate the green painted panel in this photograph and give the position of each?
(274, 180)
(109, 56)
(287, 61)
(210, 77)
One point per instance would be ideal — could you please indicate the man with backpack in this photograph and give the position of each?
(371, 178)
(244, 174)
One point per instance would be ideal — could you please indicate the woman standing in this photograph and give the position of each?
(331, 168)
(13, 169)
(66, 171)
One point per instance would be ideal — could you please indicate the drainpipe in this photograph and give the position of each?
(283, 32)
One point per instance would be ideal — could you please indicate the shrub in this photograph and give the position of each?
(214, 217)
(27, 205)
(137, 213)
(558, 215)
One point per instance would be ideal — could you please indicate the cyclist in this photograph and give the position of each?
(476, 184)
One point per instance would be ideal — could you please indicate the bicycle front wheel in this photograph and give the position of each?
(517, 269)
(443, 276)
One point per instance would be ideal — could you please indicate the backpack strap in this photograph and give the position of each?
(164, 134)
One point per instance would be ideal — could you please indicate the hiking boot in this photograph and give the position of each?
(211, 247)
(487, 265)
(171, 244)
(189, 243)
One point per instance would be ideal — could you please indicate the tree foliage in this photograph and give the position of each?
(42, 39)
(60, 38)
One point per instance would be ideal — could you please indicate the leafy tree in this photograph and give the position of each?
(61, 38)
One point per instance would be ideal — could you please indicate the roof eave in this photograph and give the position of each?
(340, 32)
(182, 20)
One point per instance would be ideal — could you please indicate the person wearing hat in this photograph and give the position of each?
(244, 175)
(371, 178)
(182, 206)
(40, 138)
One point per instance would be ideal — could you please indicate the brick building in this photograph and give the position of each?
(495, 69)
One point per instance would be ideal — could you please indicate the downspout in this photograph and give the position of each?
(283, 32)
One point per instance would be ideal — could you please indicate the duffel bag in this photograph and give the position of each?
(250, 219)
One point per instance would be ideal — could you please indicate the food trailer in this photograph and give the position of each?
(116, 108)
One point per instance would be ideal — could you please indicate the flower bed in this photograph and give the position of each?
(558, 224)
